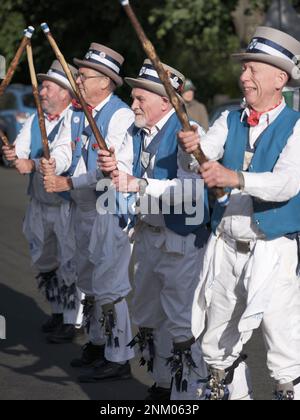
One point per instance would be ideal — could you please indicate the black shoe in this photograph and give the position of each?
(55, 321)
(64, 334)
(156, 393)
(90, 354)
(108, 370)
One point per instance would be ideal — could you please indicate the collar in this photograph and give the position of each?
(104, 102)
(57, 117)
(52, 117)
(268, 116)
(158, 126)
(96, 109)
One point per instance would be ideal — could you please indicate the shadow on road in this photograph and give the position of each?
(40, 370)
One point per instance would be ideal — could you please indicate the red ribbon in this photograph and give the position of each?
(78, 106)
(253, 118)
(52, 117)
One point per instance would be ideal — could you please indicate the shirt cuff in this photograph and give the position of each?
(156, 188)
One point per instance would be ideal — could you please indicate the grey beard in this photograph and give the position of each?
(140, 122)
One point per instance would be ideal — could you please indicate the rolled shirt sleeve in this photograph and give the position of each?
(116, 137)
(212, 144)
(60, 148)
(283, 183)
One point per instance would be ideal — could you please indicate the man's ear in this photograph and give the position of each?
(165, 103)
(281, 80)
(105, 82)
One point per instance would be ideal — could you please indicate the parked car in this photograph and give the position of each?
(16, 105)
(233, 105)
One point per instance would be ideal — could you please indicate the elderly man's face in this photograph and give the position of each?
(262, 84)
(148, 108)
(90, 84)
(52, 95)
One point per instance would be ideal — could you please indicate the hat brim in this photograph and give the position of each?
(292, 70)
(148, 85)
(41, 77)
(102, 69)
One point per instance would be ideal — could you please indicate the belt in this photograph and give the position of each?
(242, 247)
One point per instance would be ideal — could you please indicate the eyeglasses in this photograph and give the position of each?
(83, 77)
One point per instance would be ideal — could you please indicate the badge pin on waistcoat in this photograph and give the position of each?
(76, 120)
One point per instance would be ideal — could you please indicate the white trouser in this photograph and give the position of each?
(110, 253)
(44, 228)
(39, 229)
(223, 341)
(83, 224)
(167, 268)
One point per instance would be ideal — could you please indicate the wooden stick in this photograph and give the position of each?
(12, 68)
(37, 100)
(4, 139)
(100, 140)
(11, 163)
(149, 49)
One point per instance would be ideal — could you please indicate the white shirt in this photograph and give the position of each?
(85, 182)
(60, 150)
(278, 186)
(156, 188)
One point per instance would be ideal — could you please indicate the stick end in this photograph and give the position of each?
(29, 32)
(124, 2)
(45, 28)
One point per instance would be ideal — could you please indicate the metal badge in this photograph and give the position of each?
(145, 160)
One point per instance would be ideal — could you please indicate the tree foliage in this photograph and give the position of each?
(195, 36)
(201, 36)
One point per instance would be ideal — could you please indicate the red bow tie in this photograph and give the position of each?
(78, 106)
(253, 118)
(52, 117)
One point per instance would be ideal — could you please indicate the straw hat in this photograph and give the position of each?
(148, 79)
(277, 48)
(103, 59)
(57, 75)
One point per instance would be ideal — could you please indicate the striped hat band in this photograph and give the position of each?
(101, 57)
(148, 72)
(261, 45)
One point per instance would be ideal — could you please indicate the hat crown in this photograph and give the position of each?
(148, 72)
(275, 43)
(104, 52)
(56, 74)
(56, 67)
(104, 60)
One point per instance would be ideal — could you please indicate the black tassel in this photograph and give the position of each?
(136, 340)
(178, 379)
(117, 343)
(142, 361)
(150, 365)
(184, 386)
